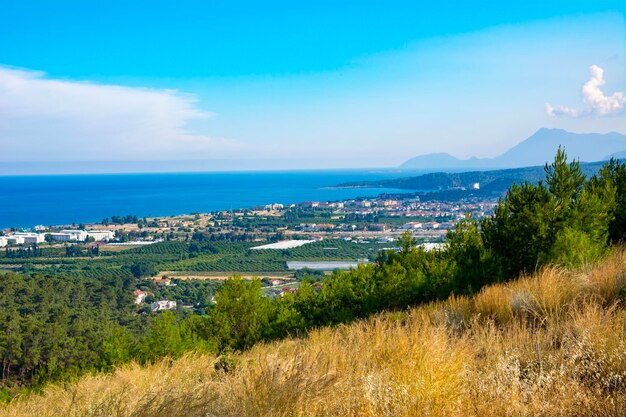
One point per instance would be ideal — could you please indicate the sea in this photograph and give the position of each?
(29, 200)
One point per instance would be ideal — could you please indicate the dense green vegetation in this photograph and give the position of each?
(564, 220)
(55, 326)
(501, 179)
(238, 257)
(196, 295)
(456, 186)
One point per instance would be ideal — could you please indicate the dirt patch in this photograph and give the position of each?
(106, 248)
(220, 276)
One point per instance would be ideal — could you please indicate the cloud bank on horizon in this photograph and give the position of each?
(597, 102)
(51, 119)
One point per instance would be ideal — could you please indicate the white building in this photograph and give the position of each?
(15, 240)
(69, 236)
(101, 235)
(61, 237)
(140, 296)
(163, 305)
(275, 206)
(31, 237)
(3, 241)
(79, 235)
(390, 203)
(411, 226)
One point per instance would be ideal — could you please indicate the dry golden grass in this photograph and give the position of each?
(553, 344)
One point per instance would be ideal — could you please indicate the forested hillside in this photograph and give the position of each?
(552, 344)
(461, 184)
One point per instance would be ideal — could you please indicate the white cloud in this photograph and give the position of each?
(48, 119)
(560, 111)
(598, 104)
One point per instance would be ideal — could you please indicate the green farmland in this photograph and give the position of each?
(190, 257)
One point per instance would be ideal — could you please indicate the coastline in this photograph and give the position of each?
(73, 199)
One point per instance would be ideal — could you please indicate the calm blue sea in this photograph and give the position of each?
(26, 201)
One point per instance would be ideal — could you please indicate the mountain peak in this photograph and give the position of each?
(551, 132)
(551, 129)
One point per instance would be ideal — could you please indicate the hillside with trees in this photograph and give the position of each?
(550, 344)
(57, 328)
(457, 185)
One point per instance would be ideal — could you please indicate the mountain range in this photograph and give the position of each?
(535, 150)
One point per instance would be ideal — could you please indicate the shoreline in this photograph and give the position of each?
(68, 200)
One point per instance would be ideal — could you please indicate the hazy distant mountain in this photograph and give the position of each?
(617, 155)
(536, 150)
(438, 161)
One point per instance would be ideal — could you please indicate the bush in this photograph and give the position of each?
(143, 269)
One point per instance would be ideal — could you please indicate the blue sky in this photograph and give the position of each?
(326, 84)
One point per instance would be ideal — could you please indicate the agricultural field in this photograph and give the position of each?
(189, 259)
(240, 257)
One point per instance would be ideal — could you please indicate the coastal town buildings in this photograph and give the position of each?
(410, 226)
(69, 236)
(275, 206)
(101, 235)
(15, 240)
(30, 238)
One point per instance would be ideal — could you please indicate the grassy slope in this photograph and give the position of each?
(553, 344)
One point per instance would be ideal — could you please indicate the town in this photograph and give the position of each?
(279, 243)
(381, 219)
